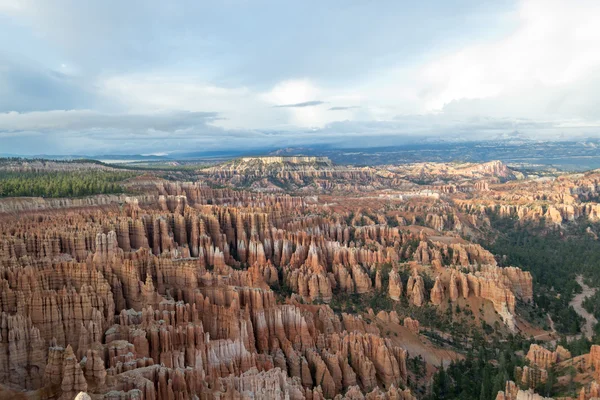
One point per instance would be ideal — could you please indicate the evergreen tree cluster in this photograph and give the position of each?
(61, 184)
(478, 376)
(554, 257)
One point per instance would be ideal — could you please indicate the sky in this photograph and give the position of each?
(165, 77)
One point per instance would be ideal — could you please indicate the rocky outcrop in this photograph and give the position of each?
(453, 286)
(512, 392)
(592, 392)
(412, 325)
(531, 377)
(22, 352)
(93, 366)
(395, 285)
(416, 290)
(354, 393)
(73, 380)
(545, 358)
(594, 357)
(437, 293)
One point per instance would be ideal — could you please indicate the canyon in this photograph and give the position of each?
(270, 277)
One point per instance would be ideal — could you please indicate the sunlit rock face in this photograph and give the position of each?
(183, 291)
(545, 358)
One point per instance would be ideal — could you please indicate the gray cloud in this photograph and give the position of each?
(300, 105)
(87, 132)
(82, 120)
(342, 108)
(335, 41)
(26, 86)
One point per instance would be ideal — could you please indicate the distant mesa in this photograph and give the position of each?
(288, 159)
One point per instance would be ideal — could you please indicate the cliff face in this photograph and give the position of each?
(291, 172)
(559, 200)
(22, 204)
(320, 175)
(545, 358)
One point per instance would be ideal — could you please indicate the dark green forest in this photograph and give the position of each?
(592, 304)
(481, 374)
(62, 184)
(554, 257)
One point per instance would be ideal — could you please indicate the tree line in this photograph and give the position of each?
(61, 184)
(554, 256)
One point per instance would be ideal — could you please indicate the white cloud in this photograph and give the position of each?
(553, 49)
(12, 6)
(146, 93)
(167, 92)
(292, 92)
(546, 70)
(239, 107)
(296, 92)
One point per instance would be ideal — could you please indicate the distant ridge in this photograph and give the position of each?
(289, 159)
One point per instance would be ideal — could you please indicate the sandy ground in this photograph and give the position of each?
(419, 345)
(588, 328)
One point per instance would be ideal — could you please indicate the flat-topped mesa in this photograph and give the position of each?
(289, 159)
(40, 165)
(493, 168)
(281, 174)
(259, 167)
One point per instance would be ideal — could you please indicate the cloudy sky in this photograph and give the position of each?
(145, 76)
